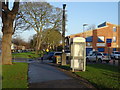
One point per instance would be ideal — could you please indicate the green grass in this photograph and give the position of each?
(25, 55)
(66, 67)
(15, 76)
(101, 75)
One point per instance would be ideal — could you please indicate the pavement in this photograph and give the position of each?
(43, 75)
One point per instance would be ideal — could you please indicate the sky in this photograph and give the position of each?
(79, 13)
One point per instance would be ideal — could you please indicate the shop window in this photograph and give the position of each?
(101, 49)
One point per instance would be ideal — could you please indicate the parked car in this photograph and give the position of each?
(99, 56)
(106, 56)
(50, 55)
(56, 55)
(92, 52)
(115, 55)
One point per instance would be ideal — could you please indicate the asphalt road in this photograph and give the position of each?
(46, 76)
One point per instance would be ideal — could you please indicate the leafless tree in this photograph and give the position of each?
(40, 16)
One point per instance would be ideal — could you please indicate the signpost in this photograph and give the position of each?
(108, 41)
(108, 44)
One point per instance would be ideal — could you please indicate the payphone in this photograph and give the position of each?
(78, 53)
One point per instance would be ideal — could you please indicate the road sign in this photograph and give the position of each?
(108, 44)
(109, 40)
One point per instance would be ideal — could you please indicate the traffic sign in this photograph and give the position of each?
(109, 40)
(108, 44)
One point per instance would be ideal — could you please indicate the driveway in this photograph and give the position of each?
(45, 76)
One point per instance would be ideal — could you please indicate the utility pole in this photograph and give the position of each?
(63, 37)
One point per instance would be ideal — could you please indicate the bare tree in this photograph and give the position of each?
(32, 41)
(18, 41)
(40, 16)
(8, 17)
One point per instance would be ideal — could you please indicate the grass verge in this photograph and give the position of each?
(66, 67)
(101, 75)
(15, 76)
(25, 55)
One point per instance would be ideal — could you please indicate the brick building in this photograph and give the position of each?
(98, 38)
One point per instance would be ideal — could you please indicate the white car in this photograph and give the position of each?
(115, 55)
(99, 56)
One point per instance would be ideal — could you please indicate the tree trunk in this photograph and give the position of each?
(6, 48)
(38, 44)
(7, 31)
(8, 17)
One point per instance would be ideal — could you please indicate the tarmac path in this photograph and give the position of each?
(45, 76)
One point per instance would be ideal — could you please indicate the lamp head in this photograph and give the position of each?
(64, 5)
(85, 24)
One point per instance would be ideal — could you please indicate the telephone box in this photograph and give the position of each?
(78, 53)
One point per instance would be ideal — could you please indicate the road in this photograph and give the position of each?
(45, 76)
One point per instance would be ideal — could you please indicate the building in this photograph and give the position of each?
(99, 38)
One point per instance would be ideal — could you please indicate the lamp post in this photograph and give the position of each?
(83, 29)
(63, 37)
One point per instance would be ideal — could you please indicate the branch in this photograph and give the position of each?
(29, 23)
(5, 7)
(15, 7)
(7, 3)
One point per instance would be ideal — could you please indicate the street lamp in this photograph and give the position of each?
(83, 29)
(63, 37)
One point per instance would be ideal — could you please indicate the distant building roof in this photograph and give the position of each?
(102, 25)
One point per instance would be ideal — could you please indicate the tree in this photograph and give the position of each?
(8, 17)
(40, 16)
(53, 38)
(18, 41)
(32, 42)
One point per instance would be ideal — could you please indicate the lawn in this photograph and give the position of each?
(15, 76)
(101, 75)
(25, 55)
